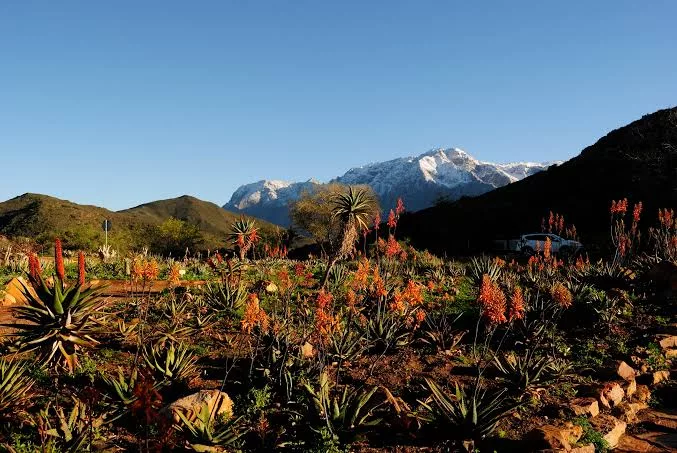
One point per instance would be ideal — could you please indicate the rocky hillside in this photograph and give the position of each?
(637, 161)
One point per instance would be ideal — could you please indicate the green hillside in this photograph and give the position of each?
(41, 218)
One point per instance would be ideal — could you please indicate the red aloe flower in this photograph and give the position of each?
(636, 211)
(34, 268)
(392, 222)
(377, 221)
(399, 209)
(81, 268)
(58, 260)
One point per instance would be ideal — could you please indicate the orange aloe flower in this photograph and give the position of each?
(561, 295)
(58, 260)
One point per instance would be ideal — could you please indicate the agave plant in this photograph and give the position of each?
(75, 432)
(470, 415)
(225, 296)
(440, 331)
(58, 319)
(343, 416)
(387, 330)
(525, 371)
(170, 362)
(485, 265)
(204, 436)
(15, 386)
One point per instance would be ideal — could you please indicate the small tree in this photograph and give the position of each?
(175, 236)
(312, 213)
(351, 212)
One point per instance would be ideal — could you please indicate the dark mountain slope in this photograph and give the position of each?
(637, 161)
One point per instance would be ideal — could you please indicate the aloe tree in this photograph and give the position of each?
(353, 211)
(244, 235)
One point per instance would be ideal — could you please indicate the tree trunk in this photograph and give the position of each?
(330, 265)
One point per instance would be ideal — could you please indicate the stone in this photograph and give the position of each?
(660, 376)
(585, 406)
(219, 404)
(611, 428)
(667, 441)
(664, 420)
(628, 411)
(629, 444)
(307, 350)
(14, 291)
(625, 371)
(611, 395)
(668, 342)
(643, 394)
(590, 448)
(671, 354)
(551, 437)
(271, 288)
(630, 388)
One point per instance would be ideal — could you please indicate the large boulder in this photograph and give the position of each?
(611, 428)
(551, 437)
(625, 371)
(218, 403)
(611, 394)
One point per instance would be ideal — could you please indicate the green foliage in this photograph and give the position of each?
(58, 321)
(523, 372)
(655, 357)
(15, 386)
(174, 236)
(590, 435)
(468, 414)
(204, 432)
(75, 432)
(170, 362)
(343, 416)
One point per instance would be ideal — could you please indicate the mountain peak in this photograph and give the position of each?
(420, 180)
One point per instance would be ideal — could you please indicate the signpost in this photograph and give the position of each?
(106, 227)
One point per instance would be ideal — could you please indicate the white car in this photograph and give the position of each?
(529, 244)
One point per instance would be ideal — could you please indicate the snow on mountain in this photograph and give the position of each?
(420, 181)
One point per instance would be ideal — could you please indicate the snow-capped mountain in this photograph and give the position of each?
(420, 181)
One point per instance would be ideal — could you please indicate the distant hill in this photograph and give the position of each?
(637, 161)
(42, 217)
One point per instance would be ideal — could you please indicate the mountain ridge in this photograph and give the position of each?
(420, 180)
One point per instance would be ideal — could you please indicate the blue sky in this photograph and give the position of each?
(119, 103)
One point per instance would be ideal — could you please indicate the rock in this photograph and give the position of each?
(667, 441)
(590, 448)
(643, 394)
(628, 411)
(630, 388)
(14, 291)
(307, 350)
(271, 288)
(629, 444)
(219, 404)
(625, 371)
(550, 437)
(611, 428)
(585, 406)
(660, 376)
(611, 394)
(668, 342)
(671, 354)
(662, 420)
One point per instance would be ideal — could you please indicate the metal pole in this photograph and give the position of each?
(106, 230)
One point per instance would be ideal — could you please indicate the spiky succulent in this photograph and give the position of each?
(170, 362)
(15, 386)
(57, 320)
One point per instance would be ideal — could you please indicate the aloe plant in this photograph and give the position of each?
(470, 415)
(58, 320)
(204, 436)
(15, 386)
(75, 431)
(170, 363)
(346, 415)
